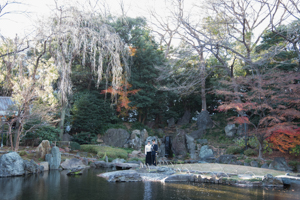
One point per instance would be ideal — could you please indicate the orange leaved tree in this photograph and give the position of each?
(271, 102)
(122, 101)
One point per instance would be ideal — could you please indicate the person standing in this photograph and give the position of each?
(148, 153)
(154, 150)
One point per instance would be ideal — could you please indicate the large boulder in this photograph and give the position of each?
(135, 133)
(122, 176)
(67, 137)
(116, 137)
(240, 130)
(136, 154)
(265, 166)
(118, 160)
(43, 149)
(45, 165)
(230, 130)
(31, 167)
(179, 143)
(298, 168)
(205, 152)
(254, 163)
(190, 146)
(162, 150)
(269, 180)
(11, 164)
(185, 118)
(150, 138)
(76, 171)
(123, 166)
(179, 178)
(204, 121)
(171, 122)
(279, 163)
(166, 170)
(135, 141)
(102, 164)
(54, 158)
(202, 141)
(197, 134)
(144, 135)
(226, 159)
(72, 163)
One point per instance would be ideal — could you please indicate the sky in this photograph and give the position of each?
(23, 24)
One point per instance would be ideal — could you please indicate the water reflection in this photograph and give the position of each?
(58, 186)
(147, 191)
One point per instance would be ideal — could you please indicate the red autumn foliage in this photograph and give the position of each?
(123, 101)
(272, 103)
(285, 138)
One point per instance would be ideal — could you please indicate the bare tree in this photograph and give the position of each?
(7, 7)
(31, 80)
(290, 9)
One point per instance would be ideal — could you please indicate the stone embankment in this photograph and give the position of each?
(11, 164)
(166, 174)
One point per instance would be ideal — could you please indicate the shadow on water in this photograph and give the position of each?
(58, 186)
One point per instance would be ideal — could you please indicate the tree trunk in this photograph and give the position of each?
(10, 137)
(260, 151)
(203, 78)
(62, 120)
(203, 95)
(144, 118)
(17, 138)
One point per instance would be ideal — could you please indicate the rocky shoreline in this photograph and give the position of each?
(166, 174)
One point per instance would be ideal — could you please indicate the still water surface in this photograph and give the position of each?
(58, 186)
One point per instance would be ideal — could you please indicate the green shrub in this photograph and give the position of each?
(294, 163)
(75, 146)
(250, 152)
(267, 147)
(110, 152)
(85, 138)
(128, 150)
(141, 126)
(295, 150)
(247, 160)
(22, 153)
(252, 142)
(240, 157)
(224, 139)
(115, 126)
(91, 113)
(233, 150)
(46, 132)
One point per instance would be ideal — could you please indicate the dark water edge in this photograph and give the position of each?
(57, 185)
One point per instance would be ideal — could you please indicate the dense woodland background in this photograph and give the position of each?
(84, 72)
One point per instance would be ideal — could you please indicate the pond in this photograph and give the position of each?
(57, 185)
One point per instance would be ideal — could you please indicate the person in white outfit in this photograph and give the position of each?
(148, 153)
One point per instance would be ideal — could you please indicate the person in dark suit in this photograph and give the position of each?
(154, 150)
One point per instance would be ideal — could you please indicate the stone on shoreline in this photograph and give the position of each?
(72, 163)
(122, 176)
(45, 165)
(11, 164)
(43, 149)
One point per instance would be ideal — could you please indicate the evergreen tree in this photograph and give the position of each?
(90, 115)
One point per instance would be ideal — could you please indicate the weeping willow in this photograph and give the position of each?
(79, 34)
